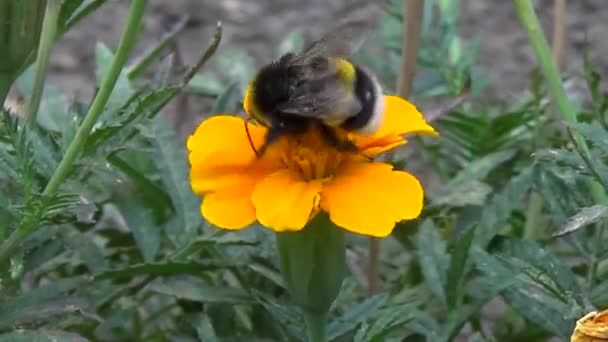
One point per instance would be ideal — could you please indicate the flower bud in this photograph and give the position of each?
(20, 26)
(593, 327)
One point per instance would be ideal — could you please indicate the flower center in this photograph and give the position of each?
(312, 156)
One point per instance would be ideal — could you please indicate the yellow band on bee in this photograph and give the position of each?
(251, 108)
(346, 71)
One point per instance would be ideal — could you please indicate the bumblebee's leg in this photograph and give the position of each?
(272, 135)
(250, 140)
(343, 145)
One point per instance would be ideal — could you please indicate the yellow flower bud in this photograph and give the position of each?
(593, 327)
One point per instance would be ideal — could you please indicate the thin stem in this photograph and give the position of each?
(126, 44)
(373, 281)
(559, 31)
(315, 325)
(6, 80)
(533, 216)
(49, 29)
(412, 25)
(413, 13)
(529, 21)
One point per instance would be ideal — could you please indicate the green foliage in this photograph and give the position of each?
(121, 252)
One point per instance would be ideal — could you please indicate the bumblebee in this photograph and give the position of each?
(318, 89)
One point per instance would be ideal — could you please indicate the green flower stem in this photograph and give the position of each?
(315, 324)
(313, 266)
(126, 44)
(49, 29)
(529, 20)
(5, 85)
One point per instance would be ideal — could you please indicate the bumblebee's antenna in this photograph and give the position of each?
(257, 154)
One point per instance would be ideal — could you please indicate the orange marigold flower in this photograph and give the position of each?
(593, 327)
(298, 176)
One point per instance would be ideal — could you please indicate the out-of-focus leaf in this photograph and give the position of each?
(171, 160)
(194, 290)
(479, 168)
(540, 264)
(204, 329)
(594, 133)
(123, 89)
(388, 319)
(86, 249)
(354, 316)
(166, 268)
(285, 314)
(206, 84)
(225, 103)
(152, 195)
(42, 304)
(434, 260)
(237, 65)
(500, 207)
(458, 267)
(464, 194)
(293, 42)
(42, 335)
(583, 218)
(142, 224)
(52, 114)
(87, 7)
(530, 301)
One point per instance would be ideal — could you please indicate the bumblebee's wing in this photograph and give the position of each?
(326, 100)
(341, 42)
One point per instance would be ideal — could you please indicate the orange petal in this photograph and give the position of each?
(222, 141)
(229, 209)
(369, 198)
(400, 117)
(283, 201)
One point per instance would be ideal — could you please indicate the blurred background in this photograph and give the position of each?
(255, 28)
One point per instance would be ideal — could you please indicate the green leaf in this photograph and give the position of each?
(206, 84)
(85, 247)
(458, 267)
(530, 301)
(42, 335)
(388, 320)
(204, 329)
(355, 315)
(528, 257)
(152, 195)
(42, 304)
(122, 90)
(293, 42)
(166, 268)
(582, 219)
(226, 102)
(480, 168)
(142, 224)
(53, 113)
(171, 160)
(500, 207)
(595, 133)
(463, 194)
(431, 251)
(194, 290)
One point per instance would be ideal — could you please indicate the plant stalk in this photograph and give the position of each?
(5, 85)
(315, 325)
(47, 37)
(529, 20)
(125, 46)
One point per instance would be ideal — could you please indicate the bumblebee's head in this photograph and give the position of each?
(274, 85)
